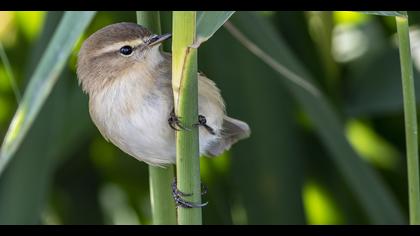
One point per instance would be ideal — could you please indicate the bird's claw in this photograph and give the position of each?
(202, 121)
(175, 123)
(180, 202)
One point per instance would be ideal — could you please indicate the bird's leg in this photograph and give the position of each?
(203, 122)
(174, 122)
(179, 201)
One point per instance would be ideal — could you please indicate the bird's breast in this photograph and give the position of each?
(133, 115)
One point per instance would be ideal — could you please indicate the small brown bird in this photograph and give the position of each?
(128, 80)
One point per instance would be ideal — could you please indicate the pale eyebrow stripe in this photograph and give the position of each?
(117, 46)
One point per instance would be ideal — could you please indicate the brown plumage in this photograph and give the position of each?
(131, 98)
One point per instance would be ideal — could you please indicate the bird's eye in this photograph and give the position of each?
(126, 50)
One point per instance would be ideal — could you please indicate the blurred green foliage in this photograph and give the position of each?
(66, 173)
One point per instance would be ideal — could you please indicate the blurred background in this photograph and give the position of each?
(66, 173)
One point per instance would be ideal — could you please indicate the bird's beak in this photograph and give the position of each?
(158, 39)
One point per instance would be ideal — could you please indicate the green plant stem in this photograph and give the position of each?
(410, 119)
(184, 83)
(163, 205)
(160, 179)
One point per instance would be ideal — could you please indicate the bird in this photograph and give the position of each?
(128, 80)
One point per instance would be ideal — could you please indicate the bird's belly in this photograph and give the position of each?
(141, 131)
(148, 135)
(140, 127)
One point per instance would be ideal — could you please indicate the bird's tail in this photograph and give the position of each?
(233, 130)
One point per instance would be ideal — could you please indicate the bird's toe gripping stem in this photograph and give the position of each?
(180, 202)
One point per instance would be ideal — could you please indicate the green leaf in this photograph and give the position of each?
(9, 72)
(386, 13)
(410, 117)
(71, 27)
(208, 22)
(67, 105)
(379, 203)
(25, 183)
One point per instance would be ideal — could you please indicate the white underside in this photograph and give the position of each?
(134, 117)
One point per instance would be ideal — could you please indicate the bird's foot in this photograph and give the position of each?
(180, 202)
(175, 123)
(202, 121)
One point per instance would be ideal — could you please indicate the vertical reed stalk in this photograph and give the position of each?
(184, 83)
(160, 179)
(410, 119)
